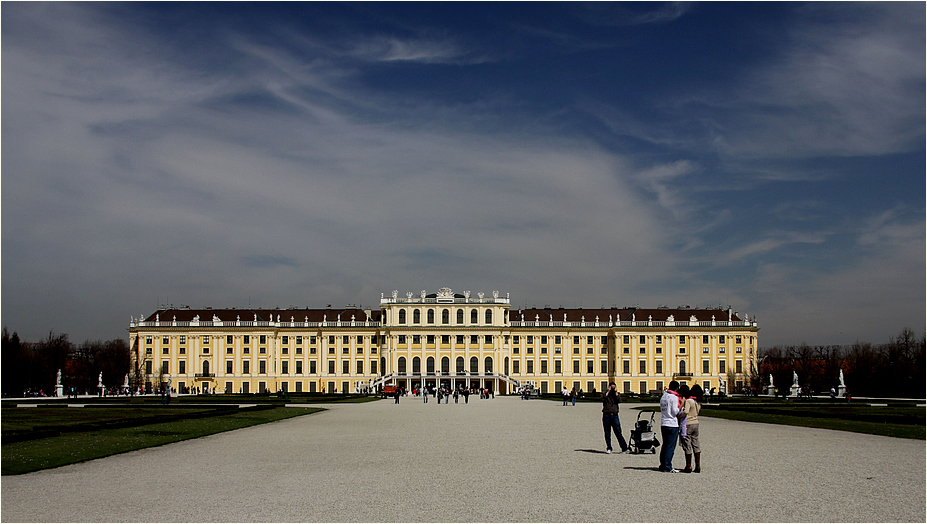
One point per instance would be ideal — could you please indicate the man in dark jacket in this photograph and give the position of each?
(610, 401)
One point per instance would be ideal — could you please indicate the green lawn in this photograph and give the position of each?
(892, 421)
(75, 444)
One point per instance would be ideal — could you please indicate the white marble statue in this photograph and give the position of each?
(794, 379)
(59, 378)
(771, 381)
(841, 378)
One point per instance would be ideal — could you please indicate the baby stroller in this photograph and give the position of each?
(642, 436)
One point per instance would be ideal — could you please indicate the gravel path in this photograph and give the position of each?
(496, 460)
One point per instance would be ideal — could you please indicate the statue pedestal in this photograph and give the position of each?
(771, 391)
(794, 391)
(59, 391)
(841, 391)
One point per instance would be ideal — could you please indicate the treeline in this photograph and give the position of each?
(32, 367)
(894, 369)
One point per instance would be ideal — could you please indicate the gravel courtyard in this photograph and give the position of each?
(495, 460)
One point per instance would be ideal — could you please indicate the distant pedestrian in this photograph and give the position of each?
(396, 395)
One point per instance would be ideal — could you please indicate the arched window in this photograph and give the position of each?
(402, 316)
(401, 365)
(473, 316)
(487, 367)
(460, 365)
(682, 367)
(431, 316)
(460, 316)
(489, 316)
(416, 365)
(474, 365)
(431, 365)
(445, 316)
(416, 316)
(445, 366)
(205, 368)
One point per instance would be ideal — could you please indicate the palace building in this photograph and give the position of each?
(443, 339)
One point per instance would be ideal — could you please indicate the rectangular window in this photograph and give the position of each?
(627, 386)
(360, 339)
(312, 340)
(331, 367)
(148, 339)
(642, 350)
(331, 340)
(604, 367)
(543, 351)
(183, 351)
(246, 339)
(147, 367)
(590, 367)
(558, 340)
(722, 367)
(312, 369)
(373, 367)
(515, 366)
(488, 340)
(737, 339)
(246, 351)
(515, 351)
(345, 350)
(704, 339)
(344, 339)
(626, 367)
(299, 351)
(263, 339)
(285, 367)
(165, 340)
(659, 385)
(576, 367)
(228, 351)
(659, 367)
(739, 350)
(246, 367)
(530, 351)
(285, 339)
(262, 367)
(430, 339)
(299, 367)
(705, 350)
(360, 367)
(474, 340)
(576, 350)
(515, 339)
(543, 339)
(205, 339)
(360, 350)
(659, 351)
(262, 351)
(402, 339)
(706, 367)
(459, 340)
(642, 339)
(165, 367)
(544, 366)
(589, 340)
(659, 339)
(626, 339)
(182, 367)
(643, 366)
(721, 339)
(344, 367)
(165, 351)
(589, 350)
(626, 350)
(445, 340)
(738, 366)
(682, 339)
(373, 339)
(183, 339)
(299, 339)
(558, 366)
(530, 339)
(228, 339)
(228, 367)
(205, 349)
(576, 339)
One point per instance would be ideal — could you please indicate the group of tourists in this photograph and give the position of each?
(569, 397)
(679, 409)
(444, 394)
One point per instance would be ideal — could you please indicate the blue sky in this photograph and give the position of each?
(766, 156)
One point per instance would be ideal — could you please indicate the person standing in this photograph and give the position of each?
(610, 401)
(566, 395)
(669, 426)
(690, 443)
(425, 394)
(396, 394)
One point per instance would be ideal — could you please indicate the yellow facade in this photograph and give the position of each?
(443, 339)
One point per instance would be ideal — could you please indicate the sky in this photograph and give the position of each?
(765, 156)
